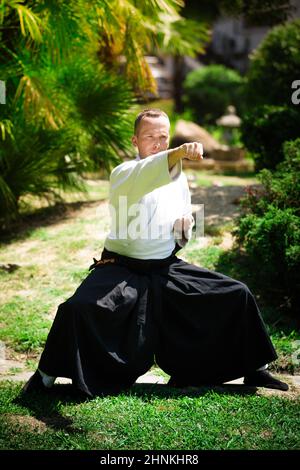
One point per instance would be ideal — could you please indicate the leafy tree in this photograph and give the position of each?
(130, 30)
(209, 90)
(264, 131)
(272, 118)
(274, 65)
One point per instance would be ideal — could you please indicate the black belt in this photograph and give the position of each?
(143, 265)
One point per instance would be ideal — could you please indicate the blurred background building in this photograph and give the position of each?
(234, 39)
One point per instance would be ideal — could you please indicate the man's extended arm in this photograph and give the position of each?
(134, 179)
(192, 151)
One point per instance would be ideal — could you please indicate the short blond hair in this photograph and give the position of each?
(150, 112)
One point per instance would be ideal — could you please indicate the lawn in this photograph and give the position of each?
(149, 417)
(49, 254)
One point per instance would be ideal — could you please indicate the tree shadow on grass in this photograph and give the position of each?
(164, 391)
(45, 407)
(42, 217)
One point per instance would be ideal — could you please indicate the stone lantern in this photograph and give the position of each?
(229, 122)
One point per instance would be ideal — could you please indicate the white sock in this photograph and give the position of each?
(263, 367)
(48, 381)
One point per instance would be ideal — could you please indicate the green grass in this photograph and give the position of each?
(95, 190)
(148, 417)
(205, 178)
(28, 296)
(53, 250)
(217, 231)
(23, 325)
(205, 257)
(53, 253)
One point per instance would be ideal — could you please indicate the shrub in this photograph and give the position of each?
(270, 231)
(34, 160)
(284, 186)
(265, 129)
(209, 90)
(274, 239)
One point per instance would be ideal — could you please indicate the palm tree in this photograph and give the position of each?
(129, 30)
(69, 97)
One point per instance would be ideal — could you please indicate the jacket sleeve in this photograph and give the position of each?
(136, 178)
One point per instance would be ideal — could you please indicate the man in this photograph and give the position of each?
(141, 302)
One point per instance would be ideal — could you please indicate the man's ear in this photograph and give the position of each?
(134, 140)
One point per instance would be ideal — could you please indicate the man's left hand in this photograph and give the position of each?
(182, 227)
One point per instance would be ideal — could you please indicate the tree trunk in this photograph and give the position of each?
(178, 78)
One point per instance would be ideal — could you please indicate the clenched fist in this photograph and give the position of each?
(192, 150)
(183, 228)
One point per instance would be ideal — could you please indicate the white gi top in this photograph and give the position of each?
(145, 200)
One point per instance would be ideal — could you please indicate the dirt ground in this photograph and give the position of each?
(221, 203)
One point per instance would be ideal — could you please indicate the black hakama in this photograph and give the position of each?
(199, 325)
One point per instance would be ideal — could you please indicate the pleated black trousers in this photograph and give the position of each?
(197, 324)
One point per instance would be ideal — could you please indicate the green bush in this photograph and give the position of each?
(272, 117)
(209, 90)
(274, 239)
(34, 160)
(284, 186)
(265, 129)
(270, 231)
(274, 65)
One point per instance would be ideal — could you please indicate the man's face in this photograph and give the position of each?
(153, 135)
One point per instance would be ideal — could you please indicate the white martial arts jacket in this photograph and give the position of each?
(145, 200)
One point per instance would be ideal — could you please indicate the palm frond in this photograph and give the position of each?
(137, 69)
(153, 8)
(30, 23)
(33, 163)
(37, 105)
(129, 30)
(182, 37)
(6, 127)
(63, 23)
